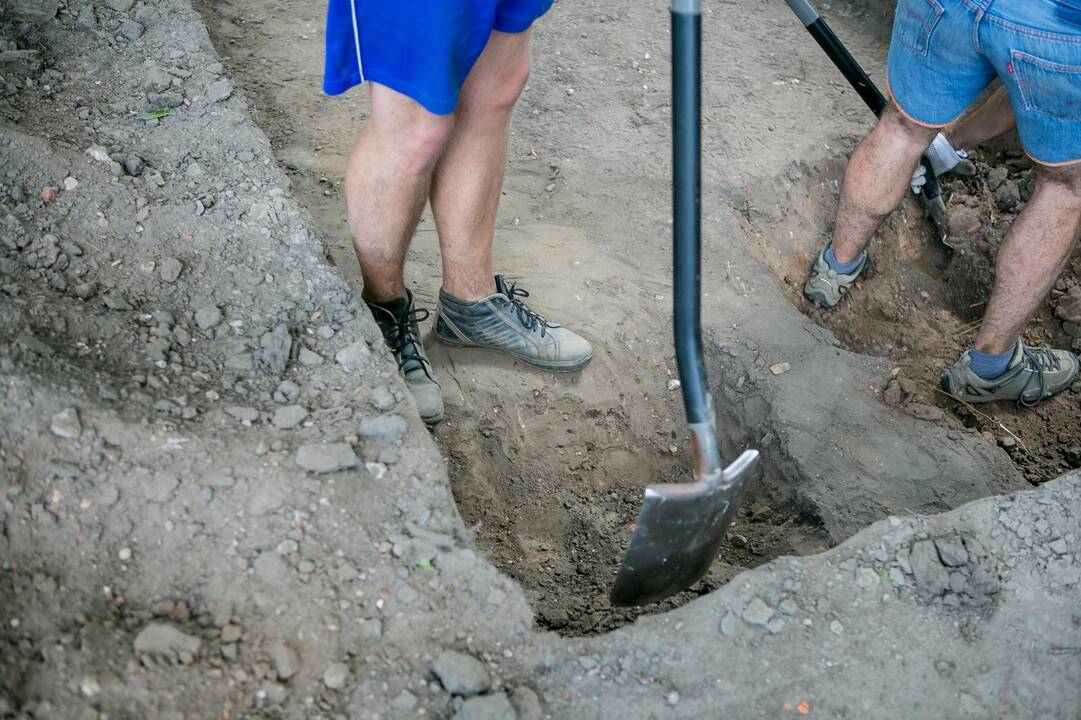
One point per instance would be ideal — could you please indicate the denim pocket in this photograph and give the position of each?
(914, 23)
(1048, 87)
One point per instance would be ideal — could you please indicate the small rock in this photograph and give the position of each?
(121, 6)
(87, 20)
(927, 569)
(923, 411)
(70, 183)
(219, 90)
(1008, 197)
(1007, 441)
(951, 551)
(242, 413)
(996, 177)
(133, 165)
(289, 416)
(527, 703)
(49, 193)
(757, 612)
(336, 676)
(230, 633)
(383, 427)
(309, 358)
(165, 641)
(487, 707)
(208, 316)
(836, 627)
(287, 391)
(285, 660)
(461, 674)
(131, 30)
(728, 624)
(404, 701)
(780, 368)
(353, 356)
(332, 457)
(89, 686)
(382, 398)
(170, 269)
(672, 698)
(65, 424)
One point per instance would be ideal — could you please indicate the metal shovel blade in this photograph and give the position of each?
(680, 529)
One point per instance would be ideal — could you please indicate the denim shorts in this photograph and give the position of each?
(945, 52)
(421, 48)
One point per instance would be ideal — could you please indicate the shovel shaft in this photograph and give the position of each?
(686, 200)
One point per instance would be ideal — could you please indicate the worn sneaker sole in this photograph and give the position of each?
(564, 367)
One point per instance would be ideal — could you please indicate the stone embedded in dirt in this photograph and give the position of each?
(1068, 308)
(230, 633)
(728, 624)
(780, 368)
(336, 676)
(309, 358)
(353, 356)
(70, 183)
(286, 663)
(1008, 197)
(383, 427)
(996, 177)
(208, 316)
(922, 411)
(219, 90)
(757, 612)
(329, 458)
(170, 269)
(66, 424)
(287, 391)
(964, 221)
(382, 398)
(86, 290)
(161, 640)
(931, 576)
(951, 551)
(404, 701)
(34, 12)
(487, 707)
(274, 349)
(49, 193)
(461, 674)
(120, 5)
(288, 417)
(133, 165)
(242, 413)
(131, 29)
(527, 703)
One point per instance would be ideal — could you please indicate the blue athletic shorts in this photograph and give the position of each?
(421, 48)
(945, 52)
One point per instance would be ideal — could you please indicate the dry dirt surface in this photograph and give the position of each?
(216, 497)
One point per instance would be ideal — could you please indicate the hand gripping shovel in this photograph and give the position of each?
(681, 526)
(861, 83)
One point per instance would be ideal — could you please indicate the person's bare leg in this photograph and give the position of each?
(468, 180)
(386, 185)
(993, 118)
(876, 180)
(1032, 256)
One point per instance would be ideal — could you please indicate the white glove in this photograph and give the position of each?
(943, 156)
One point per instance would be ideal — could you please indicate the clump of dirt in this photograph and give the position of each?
(922, 306)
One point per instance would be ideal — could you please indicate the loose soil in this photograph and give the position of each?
(922, 307)
(547, 470)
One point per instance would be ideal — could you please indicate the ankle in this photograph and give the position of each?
(466, 293)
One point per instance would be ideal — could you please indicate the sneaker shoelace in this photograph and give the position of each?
(1038, 360)
(529, 318)
(405, 339)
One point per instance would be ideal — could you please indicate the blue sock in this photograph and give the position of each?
(987, 366)
(843, 268)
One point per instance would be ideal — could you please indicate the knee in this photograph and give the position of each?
(417, 136)
(501, 92)
(1065, 182)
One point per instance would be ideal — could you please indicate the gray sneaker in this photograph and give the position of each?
(1034, 374)
(503, 322)
(825, 286)
(398, 320)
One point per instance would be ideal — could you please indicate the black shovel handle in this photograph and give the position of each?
(686, 203)
(857, 78)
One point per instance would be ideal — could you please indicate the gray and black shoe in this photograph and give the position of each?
(398, 320)
(1034, 374)
(825, 286)
(502, 321)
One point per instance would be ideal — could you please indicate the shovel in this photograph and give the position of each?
(861, 83)
(681, 525)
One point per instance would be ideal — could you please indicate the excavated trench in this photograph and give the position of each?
(922, 306)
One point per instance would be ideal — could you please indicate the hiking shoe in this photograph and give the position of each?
(825, 286)
(503, 322)
(398, 320)
(1034, 374)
